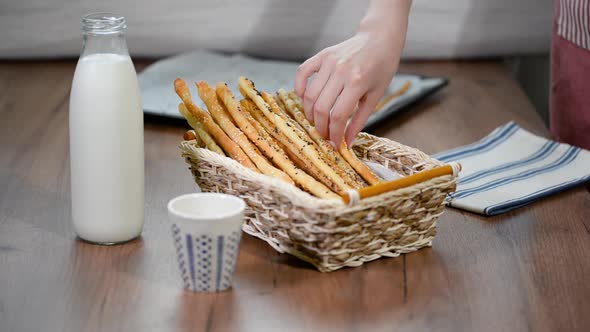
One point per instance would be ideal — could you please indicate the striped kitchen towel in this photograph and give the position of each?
(511, 168)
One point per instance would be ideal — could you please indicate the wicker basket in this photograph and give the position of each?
(327, 233)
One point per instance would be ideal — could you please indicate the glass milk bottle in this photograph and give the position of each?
(106, 136)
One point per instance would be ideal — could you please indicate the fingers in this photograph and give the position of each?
(325, 103)
(343, 109)
(366, 106)
(304, 71)
(313, 91)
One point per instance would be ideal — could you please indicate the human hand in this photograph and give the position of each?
(352, 76)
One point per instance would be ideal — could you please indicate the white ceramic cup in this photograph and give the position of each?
(206, 229)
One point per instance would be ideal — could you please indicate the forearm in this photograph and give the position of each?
(387, 19)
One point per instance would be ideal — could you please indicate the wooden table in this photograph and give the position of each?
(528, 270)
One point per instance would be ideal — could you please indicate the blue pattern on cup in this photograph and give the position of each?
(180, 256)
(219, 261)
(204, 261)
(191, 258)
(229, 257)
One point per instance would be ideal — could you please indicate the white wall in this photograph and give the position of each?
(275, 28)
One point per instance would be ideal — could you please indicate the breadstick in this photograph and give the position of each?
(277, 153)
(358, 165)
(283, 108)
(231, 148)
(293, 96)
(282, 105)
(233, 107)
(328, 156)
(306, 146)
(264, 126)
(276, 109)
(201, 133)
(222, 117)
(304, 165)
(343, 168)
(190, 135)
(300, 159)
(401, 91)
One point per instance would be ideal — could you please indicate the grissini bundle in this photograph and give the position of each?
(277, 154)
(306, 146)
(225, 121)
(231, 148)
(272, 136)
(295, 109)
(349, 156)
(327, 152)
(287, 144)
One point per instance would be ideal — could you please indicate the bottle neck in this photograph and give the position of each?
(104, 33)
(105, 43)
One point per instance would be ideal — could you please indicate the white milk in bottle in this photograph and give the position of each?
(106, 136)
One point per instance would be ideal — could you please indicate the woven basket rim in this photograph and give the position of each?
(298, 196)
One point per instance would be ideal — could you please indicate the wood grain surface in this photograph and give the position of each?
(522, 271)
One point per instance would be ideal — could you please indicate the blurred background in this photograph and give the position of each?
(518, 31)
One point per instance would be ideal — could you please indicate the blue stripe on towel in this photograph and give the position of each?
(545, 150)
(528, 199)
(496, 132)
(565, 159)
(484, 145)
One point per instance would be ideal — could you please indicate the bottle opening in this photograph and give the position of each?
(103, 23)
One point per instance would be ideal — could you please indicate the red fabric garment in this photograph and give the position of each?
(570, 73)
